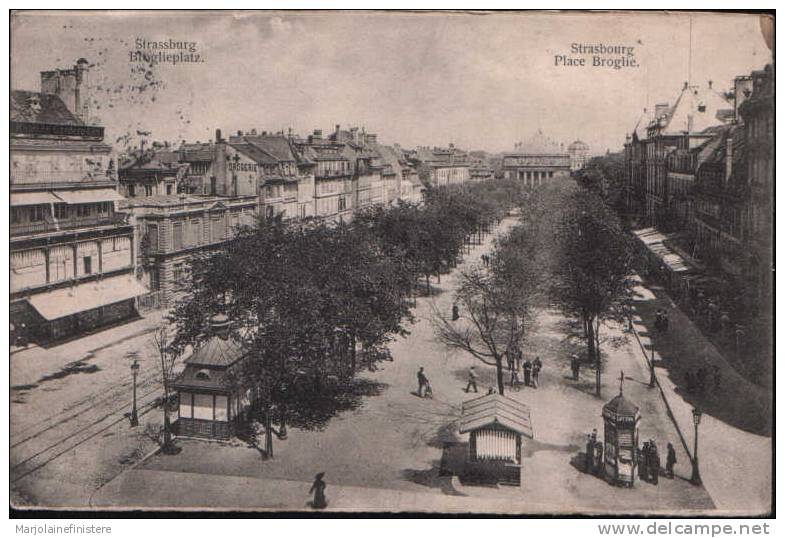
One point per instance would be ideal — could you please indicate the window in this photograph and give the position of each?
(148, 190)
(177, 235)
(38, 213)
(221, 408)
(131, 190)
(203, 375)
(178, 273)
(186, 405)
(169, 189)
(203, 406)
(61, 211)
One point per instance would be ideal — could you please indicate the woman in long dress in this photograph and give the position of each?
(318, 487)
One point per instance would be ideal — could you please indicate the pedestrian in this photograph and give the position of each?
(422, 381)
(472, 380)
(514, 380)
(527, 372)
(670, 461)
(658, 319)
(589, 453)
(518, 358)
(665, 322)
(536, 367)
(598, 466)
(654, 462)
(455, 313)
(319, 500)
(510, 360)
(643, 462)
(576, 366)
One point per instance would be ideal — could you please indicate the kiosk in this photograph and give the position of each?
(621, 419)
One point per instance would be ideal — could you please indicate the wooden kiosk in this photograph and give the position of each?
(209, 402)
(495, 425)
(621, 418)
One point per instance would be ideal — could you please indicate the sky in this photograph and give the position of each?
(480, 81)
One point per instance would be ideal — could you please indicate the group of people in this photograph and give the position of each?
(650, 464)
(486, 260)
(698, 380)
(661, 320)
(594, 450)
(531, 371)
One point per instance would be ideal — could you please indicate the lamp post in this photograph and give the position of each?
(652, 379)
(696, 476)
(134, 416)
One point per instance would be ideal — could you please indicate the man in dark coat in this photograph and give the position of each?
(589, 453)
(527, 372)
(643, 462)
(654, 462)
(455, 313)
(576, 367)
(422, 381)
(598, 464)
(670, 461)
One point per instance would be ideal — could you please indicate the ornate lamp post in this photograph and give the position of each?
(696, 476)
(134, 416)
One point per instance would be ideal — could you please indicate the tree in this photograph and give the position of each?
(168, 359)
(593, 264)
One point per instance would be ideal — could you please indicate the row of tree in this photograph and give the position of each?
(314, 303)
(569, 250)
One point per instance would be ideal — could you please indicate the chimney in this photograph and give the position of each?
(728, 159)
(70, 85)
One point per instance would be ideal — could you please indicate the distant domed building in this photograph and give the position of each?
(579, 154)
(536, 161)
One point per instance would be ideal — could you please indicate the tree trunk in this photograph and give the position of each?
(268, 431)
(598, 358)
(500, 374)
(428, 283)
(353, 353)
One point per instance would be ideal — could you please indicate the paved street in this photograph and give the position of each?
(69, 430)
(735, 462)
(392, 441)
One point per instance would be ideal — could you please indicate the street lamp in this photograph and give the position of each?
(134, 416)
(652, 378)
(696, 476)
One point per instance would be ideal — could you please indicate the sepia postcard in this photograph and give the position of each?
(399, 262)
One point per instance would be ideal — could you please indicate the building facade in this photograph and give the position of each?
(579, 154)
(173, 229)
(536, 161)
(71, 251)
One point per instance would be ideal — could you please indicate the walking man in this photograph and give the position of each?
(514, 380)
(455, 314)
(536, 367)
(527, 372)
(643, 462)
(670, 461)
(472, 380)
(510, 359)
(422, 381)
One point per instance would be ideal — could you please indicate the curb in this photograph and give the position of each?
(662, 395)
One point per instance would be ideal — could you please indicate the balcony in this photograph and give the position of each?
(46, 179)
(47, 226)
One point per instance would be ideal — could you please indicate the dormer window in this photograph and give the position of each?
(202, 375)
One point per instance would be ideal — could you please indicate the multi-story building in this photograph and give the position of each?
(579, 154)
(333, 175)
(679, 128)
(442, 166)
(172, 229)
(71, 251)
(536, 161)
(152, 172)
(757, 110)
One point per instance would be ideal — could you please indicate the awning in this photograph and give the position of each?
(655, 243)
(64, 302)
(88, 196)
(33, 198)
